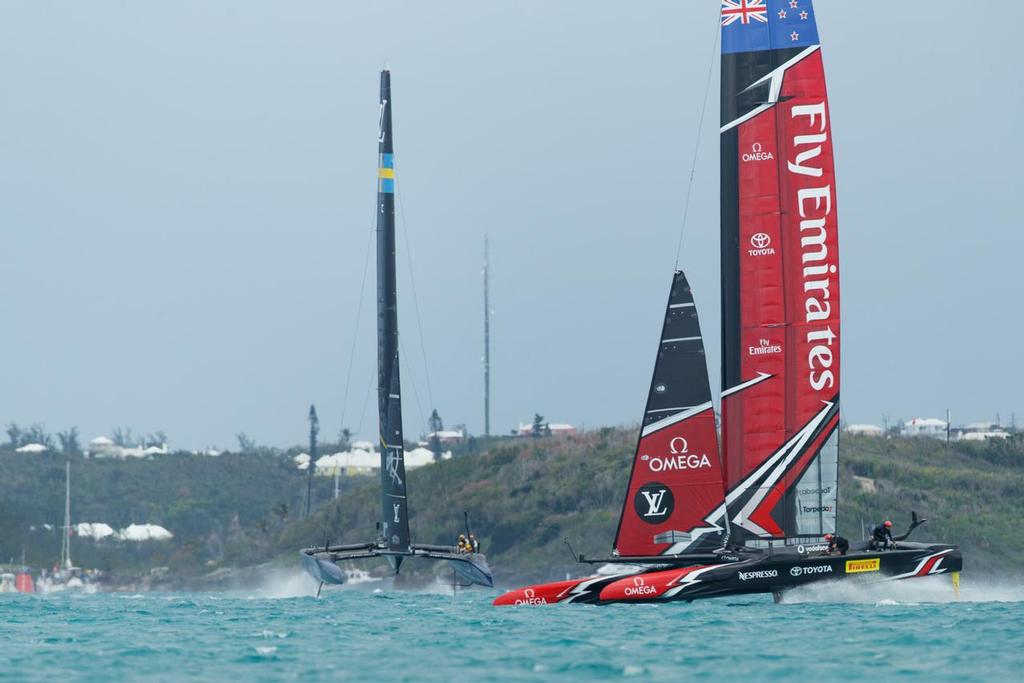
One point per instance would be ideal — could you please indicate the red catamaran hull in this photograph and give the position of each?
(762, 573)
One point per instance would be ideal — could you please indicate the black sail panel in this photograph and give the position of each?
(394, 504)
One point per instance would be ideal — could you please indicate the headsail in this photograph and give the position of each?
(780, 273)
(675, 487)
(394, 509)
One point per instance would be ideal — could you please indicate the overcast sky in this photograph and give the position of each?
(187, 197)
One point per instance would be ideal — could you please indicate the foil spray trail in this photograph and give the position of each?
(937, 589)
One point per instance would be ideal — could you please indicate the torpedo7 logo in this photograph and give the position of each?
(654, 503)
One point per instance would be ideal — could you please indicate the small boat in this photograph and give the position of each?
(65, 576)
(393, 542)
(702, 521)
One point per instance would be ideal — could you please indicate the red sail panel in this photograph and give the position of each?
(675, 489)
(780, 279)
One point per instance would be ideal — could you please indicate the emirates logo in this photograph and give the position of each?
(760, 240)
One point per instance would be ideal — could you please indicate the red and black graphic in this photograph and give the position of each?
(676, 482)
(780, 284)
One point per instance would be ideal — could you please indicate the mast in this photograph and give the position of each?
(487, 343)
(394, 504)
(314, 429)
(65, 547)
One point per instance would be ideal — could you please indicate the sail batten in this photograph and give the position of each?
(780, 273)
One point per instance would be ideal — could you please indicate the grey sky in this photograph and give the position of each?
(187, 195)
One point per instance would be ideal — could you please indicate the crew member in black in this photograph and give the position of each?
(881, 536)
(836, 544)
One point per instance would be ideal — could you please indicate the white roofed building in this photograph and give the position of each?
(32, 448)
(102, 447)
(360, 462)
(555, 429)
(865, 430)
(447, 435)
(980, 431)
(348, 463)
(925, 426)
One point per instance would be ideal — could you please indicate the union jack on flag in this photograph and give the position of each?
(744, 11)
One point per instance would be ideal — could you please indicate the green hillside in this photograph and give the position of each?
(524, 495)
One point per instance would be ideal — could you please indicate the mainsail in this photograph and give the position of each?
(675, 487)
(780, 274)
(394, 509)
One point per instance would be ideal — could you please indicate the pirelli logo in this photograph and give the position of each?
(857, 566)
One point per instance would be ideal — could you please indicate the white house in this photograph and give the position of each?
(865, 430)
(32, 448)
(447, 435)
(557, 429)
(925, 426)
(980, 431)
(349, 463)
(358, 461)
(102, 447)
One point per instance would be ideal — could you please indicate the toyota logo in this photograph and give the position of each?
(796, 571)
(760, 240)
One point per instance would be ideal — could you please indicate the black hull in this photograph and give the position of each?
(748, 573)
(322, 563)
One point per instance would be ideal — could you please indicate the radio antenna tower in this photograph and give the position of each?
(487, 343)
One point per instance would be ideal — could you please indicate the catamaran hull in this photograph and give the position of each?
(322, 563)
(322, 568)
(774, 573)
(474, 568)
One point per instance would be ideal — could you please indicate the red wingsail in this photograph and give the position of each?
(780, 274)
(675, 496)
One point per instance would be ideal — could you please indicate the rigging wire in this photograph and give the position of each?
(696, 145)
(415, 298)
(415, 392)
(366, 401)
(355, 333)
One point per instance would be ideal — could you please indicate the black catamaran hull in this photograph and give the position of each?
(322, 563)
(749, 573)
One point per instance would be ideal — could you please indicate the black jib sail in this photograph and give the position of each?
(394, 541)
(674, 503)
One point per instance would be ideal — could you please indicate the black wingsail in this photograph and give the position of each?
(394, 508)
(393, 542)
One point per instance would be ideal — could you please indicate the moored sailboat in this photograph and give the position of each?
(394, 541)
(753, 522)
(65, 575)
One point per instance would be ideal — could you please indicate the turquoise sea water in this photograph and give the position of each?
(905, 633)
